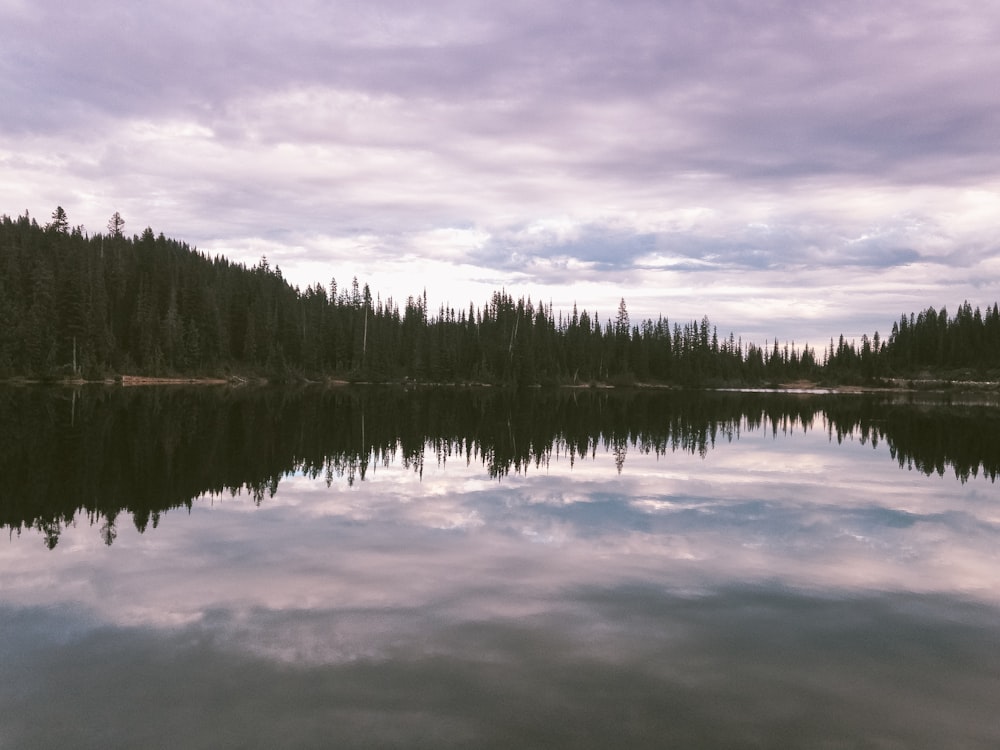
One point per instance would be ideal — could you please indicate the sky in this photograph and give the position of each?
(792, 170)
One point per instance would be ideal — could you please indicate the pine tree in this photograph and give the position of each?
(59, 223)
(116, 225)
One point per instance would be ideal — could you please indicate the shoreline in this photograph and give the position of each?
(894, 385)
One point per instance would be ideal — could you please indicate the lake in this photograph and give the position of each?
(374, 567)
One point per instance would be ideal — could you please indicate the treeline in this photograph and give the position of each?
(98, 453)
(104, 304)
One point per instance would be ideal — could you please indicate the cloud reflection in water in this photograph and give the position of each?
(778, 591)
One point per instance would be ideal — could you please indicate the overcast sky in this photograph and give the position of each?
(790, 169)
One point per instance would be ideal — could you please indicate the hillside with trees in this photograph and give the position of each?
(75, 304)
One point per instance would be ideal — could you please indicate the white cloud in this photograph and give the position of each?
(724, 156)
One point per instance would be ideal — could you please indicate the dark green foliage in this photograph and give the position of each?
(92, 306)
(932, 340)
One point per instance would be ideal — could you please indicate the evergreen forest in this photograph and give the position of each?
(93, 306)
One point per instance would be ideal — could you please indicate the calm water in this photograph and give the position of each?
(379, 568)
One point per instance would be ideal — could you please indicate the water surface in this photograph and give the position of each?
(372, 568)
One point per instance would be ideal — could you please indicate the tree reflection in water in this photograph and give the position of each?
(99, 452)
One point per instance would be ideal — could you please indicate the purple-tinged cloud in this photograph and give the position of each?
(579, 152)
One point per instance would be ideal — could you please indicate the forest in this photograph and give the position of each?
(94, 306)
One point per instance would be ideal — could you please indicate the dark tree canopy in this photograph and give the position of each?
(107, 304)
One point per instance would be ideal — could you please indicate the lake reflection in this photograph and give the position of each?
(486, 570)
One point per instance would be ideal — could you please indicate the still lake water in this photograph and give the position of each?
(368, 567)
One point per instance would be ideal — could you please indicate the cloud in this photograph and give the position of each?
(611, 149)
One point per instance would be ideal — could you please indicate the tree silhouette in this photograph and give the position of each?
(115, 225)
(59, 221)
(155, 306)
